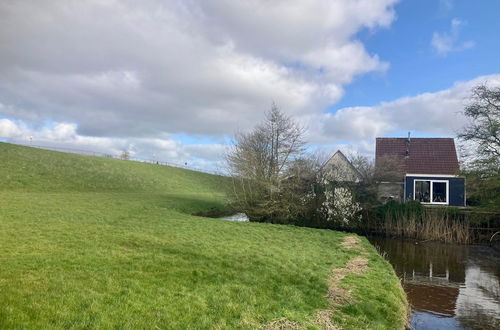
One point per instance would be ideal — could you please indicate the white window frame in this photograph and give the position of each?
(431, 196)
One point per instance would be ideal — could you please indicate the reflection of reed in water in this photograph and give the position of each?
(438, 260)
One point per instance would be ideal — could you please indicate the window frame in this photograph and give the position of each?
(431, 195)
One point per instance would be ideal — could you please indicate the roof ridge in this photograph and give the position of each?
(415, 138)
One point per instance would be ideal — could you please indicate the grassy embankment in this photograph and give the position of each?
(89, 242)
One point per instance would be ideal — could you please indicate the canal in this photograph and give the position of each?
(448, 286)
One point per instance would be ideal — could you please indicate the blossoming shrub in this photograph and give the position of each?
(340, 207)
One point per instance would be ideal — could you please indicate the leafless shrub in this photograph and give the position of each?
(125, 155)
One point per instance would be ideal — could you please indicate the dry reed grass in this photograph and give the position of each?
(429, 225)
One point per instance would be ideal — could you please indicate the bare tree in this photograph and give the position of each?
(125, 155)
(261, 159)
(386, 169)
(364, 165)
(389, 169)
(265, 153)
(287, 140)
(482, 137)
(483, 129)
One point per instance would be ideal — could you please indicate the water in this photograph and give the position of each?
(448, 286)
(241, 217)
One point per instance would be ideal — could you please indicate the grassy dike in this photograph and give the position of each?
(89, 242)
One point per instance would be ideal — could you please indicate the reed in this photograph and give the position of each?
(429, 224)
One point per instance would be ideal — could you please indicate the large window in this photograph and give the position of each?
(431, 191)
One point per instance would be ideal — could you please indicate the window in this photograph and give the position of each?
(431, 191)
(423, 191)
(439, 194)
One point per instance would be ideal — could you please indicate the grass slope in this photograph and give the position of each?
(90, 242)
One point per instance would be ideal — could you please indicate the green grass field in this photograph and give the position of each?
(90, 242)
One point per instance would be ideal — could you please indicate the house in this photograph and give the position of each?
(422, 169)
(339, 168)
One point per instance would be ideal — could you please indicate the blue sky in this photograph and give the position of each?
(189, 75)
(415, 66)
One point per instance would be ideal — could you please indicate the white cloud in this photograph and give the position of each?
(446, 42)
(438, 114)
(114, 75)
(351, 129)
(140, 69)
(64, 137)
(9, 129)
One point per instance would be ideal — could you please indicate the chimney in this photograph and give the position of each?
(407, 153)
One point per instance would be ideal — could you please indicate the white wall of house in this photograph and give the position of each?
(338, 168)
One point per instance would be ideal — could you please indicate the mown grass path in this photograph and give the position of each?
(100, 243)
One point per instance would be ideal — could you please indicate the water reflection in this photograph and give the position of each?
(448, 286)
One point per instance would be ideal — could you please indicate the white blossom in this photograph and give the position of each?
(340, 205)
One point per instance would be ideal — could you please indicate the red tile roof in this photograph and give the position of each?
(425, 155)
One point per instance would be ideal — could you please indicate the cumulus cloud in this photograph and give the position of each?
(446, 42)
(437, 114)
(9, 129)
(109, 75)
(139, 69)
(351, 129)
(64, 137)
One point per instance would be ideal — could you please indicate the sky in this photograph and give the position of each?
(175, 80)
